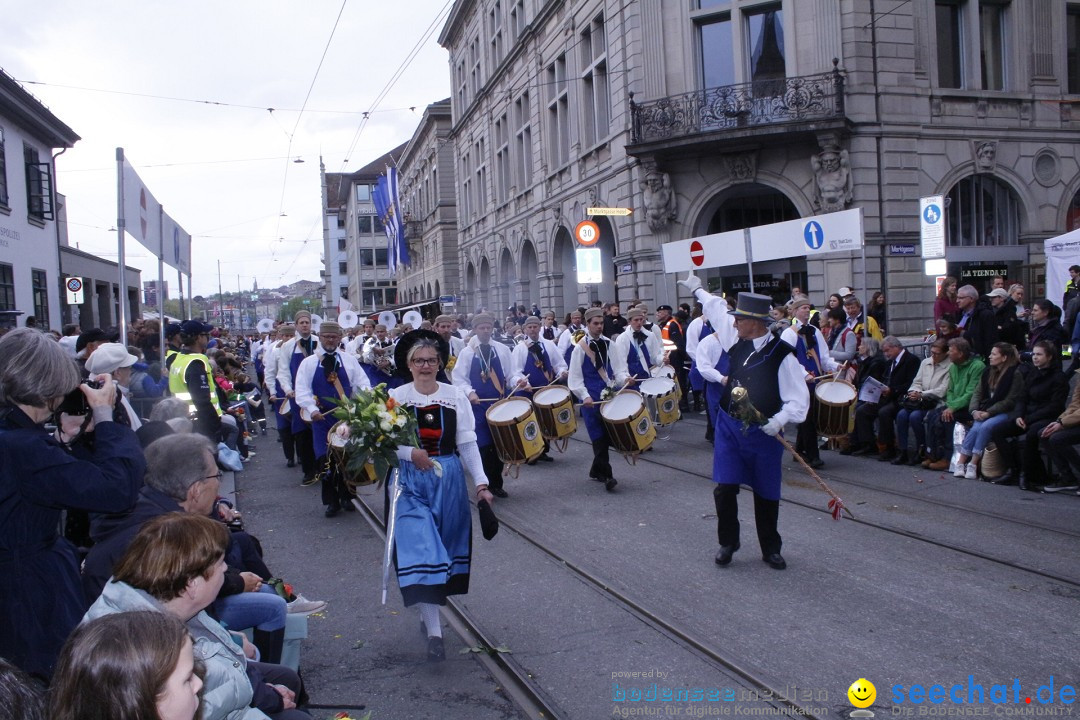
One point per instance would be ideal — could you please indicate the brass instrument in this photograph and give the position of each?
(576, 337)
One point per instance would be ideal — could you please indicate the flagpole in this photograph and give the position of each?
(120, 227)
(161, 282)
(180, 283)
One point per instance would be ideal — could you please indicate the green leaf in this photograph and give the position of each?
(504, 649)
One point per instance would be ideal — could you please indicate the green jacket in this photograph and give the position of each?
(963, 379)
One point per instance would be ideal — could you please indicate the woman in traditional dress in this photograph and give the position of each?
(433, 531)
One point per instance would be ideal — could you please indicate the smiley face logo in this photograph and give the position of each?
(862, 693)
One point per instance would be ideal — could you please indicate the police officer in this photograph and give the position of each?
(191, 378)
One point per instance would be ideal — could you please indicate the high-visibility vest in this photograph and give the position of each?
(178, 383)
(664, 330)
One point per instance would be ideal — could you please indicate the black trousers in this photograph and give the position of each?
(287, 444)
(1023, 456)
(333, 483)
(766, 516)
(601, 459)
(885, 414)
(1061, 449)
(493, 467)
(806, 439)
(305, 451)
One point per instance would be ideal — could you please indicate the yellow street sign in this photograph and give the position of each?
(608, 211)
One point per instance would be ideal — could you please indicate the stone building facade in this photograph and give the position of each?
(429, 201)
(713, 115)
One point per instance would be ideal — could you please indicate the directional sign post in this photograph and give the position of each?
(589, 271)
(618, 212)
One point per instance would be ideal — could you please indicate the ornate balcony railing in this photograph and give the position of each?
(755, 104)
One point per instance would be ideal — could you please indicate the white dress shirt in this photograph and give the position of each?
(520, 355)
(620, 353)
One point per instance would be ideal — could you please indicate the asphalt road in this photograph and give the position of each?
(599, 596)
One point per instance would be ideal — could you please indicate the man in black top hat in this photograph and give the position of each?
(745, 451)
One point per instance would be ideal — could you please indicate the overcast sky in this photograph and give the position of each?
(225, 173)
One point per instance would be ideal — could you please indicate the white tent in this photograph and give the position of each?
(1062, 252)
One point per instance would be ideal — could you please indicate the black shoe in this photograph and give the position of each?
(1008, 478)
(888, 456)
(347, 506)
(902, 458)
(726, 551)
(710, 435)
(531, 462)
(775, 561)
(1061, 486)
(851, 449)
(435, 650)
(610, 483)
(546, 458)
(498, 492)
(332, 510)
(816, 463)
(291, 463)
(863, 451)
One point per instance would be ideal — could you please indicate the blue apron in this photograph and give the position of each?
(485, 389)
(295, 359)
(535, 374)
(716, 395)
(633, 360)
(752, 459)
(595, 385)
(323, 390)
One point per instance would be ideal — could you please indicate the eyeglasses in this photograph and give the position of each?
(421, 362)
(214, 477)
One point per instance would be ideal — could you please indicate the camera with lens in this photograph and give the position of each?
(75, 401)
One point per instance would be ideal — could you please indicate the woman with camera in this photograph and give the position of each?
(41, 598)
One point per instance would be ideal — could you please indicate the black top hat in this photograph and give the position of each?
(405, 343)
(754, 306)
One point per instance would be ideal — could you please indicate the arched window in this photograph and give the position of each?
(981, 211)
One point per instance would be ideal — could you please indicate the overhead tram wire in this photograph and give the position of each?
(439, 17)
(292, 135)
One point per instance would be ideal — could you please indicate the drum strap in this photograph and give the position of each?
(599, 365)
(485, 366)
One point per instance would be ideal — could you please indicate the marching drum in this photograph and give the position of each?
(629, 427)
(515, 430)
(555, 412)
(662, 399)
(335, 453)
(836, 408)
(666, 371)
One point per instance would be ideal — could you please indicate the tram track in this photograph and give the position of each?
(513, 680)
(887, 528)
(832, 478)
(516, 681)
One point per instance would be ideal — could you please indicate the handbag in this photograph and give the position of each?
(925, 402)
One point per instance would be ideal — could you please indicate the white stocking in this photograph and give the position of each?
(429, 613)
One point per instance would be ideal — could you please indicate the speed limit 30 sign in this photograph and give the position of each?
(587, 233)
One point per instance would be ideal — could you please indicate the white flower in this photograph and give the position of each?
(386, 426)
(400, 422)
(342, 430)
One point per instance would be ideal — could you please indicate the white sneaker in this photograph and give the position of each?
(972, 472)
(961, 470)
(302, 606)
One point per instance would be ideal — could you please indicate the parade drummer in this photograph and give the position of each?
(327, 376)
(635, 351)
(444, 326)
(698, 329)
(377, 358)
(294, 352)
(566, 340)
(538, 362)
(433, 526)
(548, 330)
(713, 365)
(590, 374)
(274, 391)
(813, 354)
(768, 369)
(482, 372)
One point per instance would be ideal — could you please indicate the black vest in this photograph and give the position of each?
(759, 372)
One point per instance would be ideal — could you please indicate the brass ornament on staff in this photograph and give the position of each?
(744, 411)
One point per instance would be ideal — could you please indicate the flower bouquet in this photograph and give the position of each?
(372, 426)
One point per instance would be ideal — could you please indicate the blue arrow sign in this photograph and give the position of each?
(813, 235)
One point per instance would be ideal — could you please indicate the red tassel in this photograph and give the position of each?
(836, 507)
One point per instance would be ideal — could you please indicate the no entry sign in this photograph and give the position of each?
(697, 253)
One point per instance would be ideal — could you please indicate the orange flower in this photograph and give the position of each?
(391, 403)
